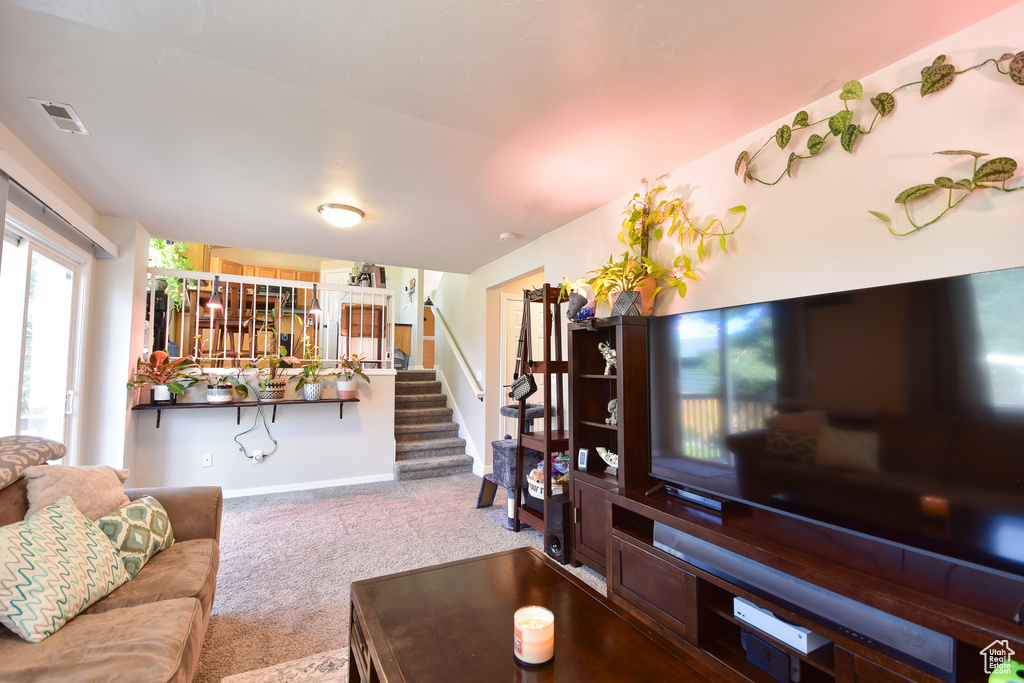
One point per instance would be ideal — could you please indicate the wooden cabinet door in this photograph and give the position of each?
(266, 271)
(590, 528)
(307, 276)
(249, 271)
(230, 267)
(287, 274)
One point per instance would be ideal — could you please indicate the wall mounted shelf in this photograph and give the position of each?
(160, 407)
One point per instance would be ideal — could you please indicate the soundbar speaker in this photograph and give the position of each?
(556, 541)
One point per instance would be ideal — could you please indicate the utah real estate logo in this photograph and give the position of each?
(997, 657)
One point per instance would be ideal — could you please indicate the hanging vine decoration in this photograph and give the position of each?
(997, 170)
(938, 76)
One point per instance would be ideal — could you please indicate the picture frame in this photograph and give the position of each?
(581, 461)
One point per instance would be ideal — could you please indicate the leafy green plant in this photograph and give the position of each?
(172, 255)
(235, 379)
(842, 126)
(351, 366)
(567, 287)
(159, 369)
(624, 275)
(998, 171)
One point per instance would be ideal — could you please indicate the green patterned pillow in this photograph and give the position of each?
(53, 565)
(139, 531)
(791, 447)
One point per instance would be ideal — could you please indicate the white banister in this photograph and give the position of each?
(458, 355)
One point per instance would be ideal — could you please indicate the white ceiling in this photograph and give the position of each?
(447, 121)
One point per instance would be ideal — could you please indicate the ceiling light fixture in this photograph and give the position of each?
(214, 303)
(341, 215)
(508, 237)
(314, 307)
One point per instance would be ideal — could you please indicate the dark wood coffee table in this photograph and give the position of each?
(453, 622)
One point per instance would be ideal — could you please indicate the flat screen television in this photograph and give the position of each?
(893, 412)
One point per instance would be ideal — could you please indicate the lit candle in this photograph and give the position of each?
(534, 641)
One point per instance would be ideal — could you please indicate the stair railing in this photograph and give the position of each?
(458, 355)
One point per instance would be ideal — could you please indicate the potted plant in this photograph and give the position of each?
(311, 379)
(165, 375)
(623, 278)
(270, 386)
(349, 367)
(222, 387)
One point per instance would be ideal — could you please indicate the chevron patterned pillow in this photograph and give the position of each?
(53, 565)
(139, 531)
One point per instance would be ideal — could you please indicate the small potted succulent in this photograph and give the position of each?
(166, 376)
(349, 367)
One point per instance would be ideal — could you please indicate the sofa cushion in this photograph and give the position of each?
(52, 566)
(97, 490)
(188, 569)
(20, 452)
(791, 447)
(139, 530)
(847, 449)
(155, 642)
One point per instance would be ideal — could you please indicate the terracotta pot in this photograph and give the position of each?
(646, 289)
(346, 388)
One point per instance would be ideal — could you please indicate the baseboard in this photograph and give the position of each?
(306, 486)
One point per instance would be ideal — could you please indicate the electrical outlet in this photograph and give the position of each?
(257, 457)
(208, 460)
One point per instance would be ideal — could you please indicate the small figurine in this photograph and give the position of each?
(609, 356)
(613, 412)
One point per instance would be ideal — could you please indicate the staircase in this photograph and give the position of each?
(427, 442)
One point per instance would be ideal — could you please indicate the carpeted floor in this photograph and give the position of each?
(287, 561)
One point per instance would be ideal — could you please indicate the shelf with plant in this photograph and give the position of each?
(166, 376)
(650, 217)
(350, 366)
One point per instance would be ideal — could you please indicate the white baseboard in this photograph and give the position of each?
(306, 486)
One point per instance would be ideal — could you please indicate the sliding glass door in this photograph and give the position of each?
(38, 307)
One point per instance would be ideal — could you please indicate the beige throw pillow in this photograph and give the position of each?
(97, 490)
(848, 450)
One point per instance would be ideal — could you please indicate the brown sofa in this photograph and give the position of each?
(149, 629)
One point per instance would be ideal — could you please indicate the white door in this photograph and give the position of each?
(39, 294)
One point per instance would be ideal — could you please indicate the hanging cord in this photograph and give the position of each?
(259, 416)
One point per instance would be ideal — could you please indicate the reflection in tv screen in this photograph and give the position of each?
(895, 411)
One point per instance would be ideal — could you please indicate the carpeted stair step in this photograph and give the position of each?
(416, 376)
(430, 448)
(424, 432)
(417, 388)
(419, 416)
(421, 401)
(426, 468)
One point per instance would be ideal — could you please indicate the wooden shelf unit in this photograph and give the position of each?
(549, 436)
(160, 407)
(590, 391)
(613, 532)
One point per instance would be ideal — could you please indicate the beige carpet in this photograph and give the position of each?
(287, 561)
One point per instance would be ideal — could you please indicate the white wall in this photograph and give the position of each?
(114, 325)
(811, 233)
(315, 447)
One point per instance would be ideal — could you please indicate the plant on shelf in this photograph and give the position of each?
(222, 387)
(165, 375)
(349, 367)
(270, 386)
(610, 280)
(172, 255)
(311, 377)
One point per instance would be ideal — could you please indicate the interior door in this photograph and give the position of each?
(512, 325)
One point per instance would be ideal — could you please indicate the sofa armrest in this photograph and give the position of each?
(194, 511)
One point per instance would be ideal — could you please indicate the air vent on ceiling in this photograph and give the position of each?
(61, 116)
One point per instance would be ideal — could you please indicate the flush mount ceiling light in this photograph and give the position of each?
(341, 215)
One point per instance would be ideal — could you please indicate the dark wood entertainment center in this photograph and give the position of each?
(614, 516)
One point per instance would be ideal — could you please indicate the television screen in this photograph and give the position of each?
(896, 412)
